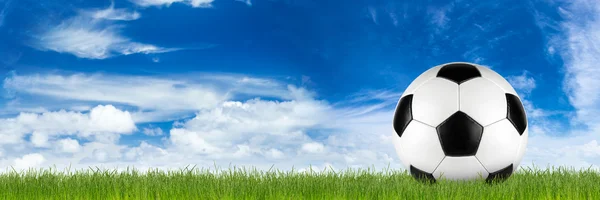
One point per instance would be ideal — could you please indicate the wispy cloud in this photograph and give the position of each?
(193, 3)
(111, 13)
(373, 14)
(579, 149)
(523, 83)
(247, 2)
(387, 12)
(93, 35)
(581, 55)
(153, 131)
(157, 98)
(394, 18)
(575, 39)
(439, 18)
(4, 11)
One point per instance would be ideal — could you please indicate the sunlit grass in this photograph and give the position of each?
(243, 183)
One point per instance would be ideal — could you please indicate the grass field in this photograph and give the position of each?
(239, 183)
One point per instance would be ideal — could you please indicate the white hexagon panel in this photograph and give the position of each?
(401, 155)
(483, 101)
(460, 168)
(499, 145)
(522, 149)
(434, 101)
(420, 147)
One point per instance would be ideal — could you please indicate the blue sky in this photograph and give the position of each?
(166, 83)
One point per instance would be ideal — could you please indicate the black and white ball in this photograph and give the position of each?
(460, 121)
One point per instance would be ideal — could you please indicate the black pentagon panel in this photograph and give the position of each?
(460, 135)
(500, 175)
(421, 175)
(516, 113)
(459, 72)
(403, 114)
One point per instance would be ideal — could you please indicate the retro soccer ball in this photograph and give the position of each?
(460, 121)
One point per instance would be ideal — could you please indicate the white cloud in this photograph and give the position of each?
(373, 14)
(193, 3)
(145, 152)
(93, 35)
(523, 83)
(110, 13)
(258, 116)
(99, 124)
(275, 153)
(99, 120)
(575, 151)
(577, 44)
(100, 155)
(439, 17)
(544, 146)
(29, 161)
(191, 142)
(247, 2)
(590, 149)
(152, 131)
(581, 55)
(91, 39)
(39, 139)
(261, 133)
(156, 98)
(149, 93)
(109, 119)
(69, 145)
(313, 147)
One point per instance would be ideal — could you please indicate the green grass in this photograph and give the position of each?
(240, 183)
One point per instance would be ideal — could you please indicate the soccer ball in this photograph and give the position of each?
(460, 121)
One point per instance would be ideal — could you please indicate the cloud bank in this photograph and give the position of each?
(296, 130)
